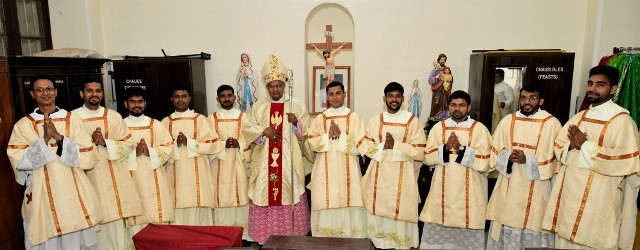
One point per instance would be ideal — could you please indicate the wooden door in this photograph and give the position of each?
(12, 233)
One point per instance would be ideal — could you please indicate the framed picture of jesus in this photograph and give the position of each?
(319, 87)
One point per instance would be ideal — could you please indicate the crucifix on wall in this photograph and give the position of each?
(328, 50)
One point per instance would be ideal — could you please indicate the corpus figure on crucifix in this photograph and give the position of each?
(330, 68)
(328, 53)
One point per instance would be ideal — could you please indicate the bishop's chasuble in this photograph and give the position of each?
(593, 201)
(454, 212)
(520, 196)
(390, 192)
(59, 201)
(270, 180)
(148, 172)
(230, 175)
(336, 197)
(190, 171)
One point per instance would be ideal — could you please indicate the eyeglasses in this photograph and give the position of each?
(533, 98)
(41, 90)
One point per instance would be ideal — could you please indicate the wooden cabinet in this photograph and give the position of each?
(12, 234)
(158, 77)
(551, 70)
(67, 72)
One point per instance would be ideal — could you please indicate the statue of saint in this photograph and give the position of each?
(440, 80)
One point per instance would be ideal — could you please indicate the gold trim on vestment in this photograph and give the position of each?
(375, 188)
(596, 121)
(547, 161)
(218, 183)
(529, 200)
(618, 157)
(466, 197)
(406, 129)
(52, 205)
(67, 123)
(555, 213)
(195, 161)
(17, 146)
(522, 145)
(582, 205)
(326, 180)
(606, 125)
(381, 127)
(115, 189)
(442, 193)
(348, 181)
(399, 192)
(483, 156)
(195, 127)
(361, 140)
(126, 137)
(84, 209)
(158, 199)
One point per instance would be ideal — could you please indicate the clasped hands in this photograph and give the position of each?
(576, 137)
(334, 131)
(50, 130)
(453, 144)
(271, 133)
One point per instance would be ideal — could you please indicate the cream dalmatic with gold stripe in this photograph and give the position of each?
(592, 202)
(148, 172)
(336, 194)
(458, 194)
(229, 170)
(390, 190)
(110, 177)
(190, 171)
(59, 198)
(520, 197)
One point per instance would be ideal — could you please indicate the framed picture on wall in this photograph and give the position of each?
(319, 88)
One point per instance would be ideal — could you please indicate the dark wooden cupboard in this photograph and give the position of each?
(551, 70)
(158, 77)
(67, 72)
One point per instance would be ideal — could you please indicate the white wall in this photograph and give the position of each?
(394, 40)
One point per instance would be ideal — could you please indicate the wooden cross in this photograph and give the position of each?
(329, 43)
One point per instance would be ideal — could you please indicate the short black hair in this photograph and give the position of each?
(134, 91)
(533, 89)
(500, 72)
(610, 72)
(459, 94)
(224, 87)
(90, 79)
(180, 87)
(42, 77)
(393, 86)
(335, 83)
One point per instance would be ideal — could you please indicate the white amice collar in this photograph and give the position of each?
(186, 113)
(521, 115)
(463, 124)
(60, 113)
(231, 113)
(92, 113)
(605, 111)
(343, 110)
(137, 121)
